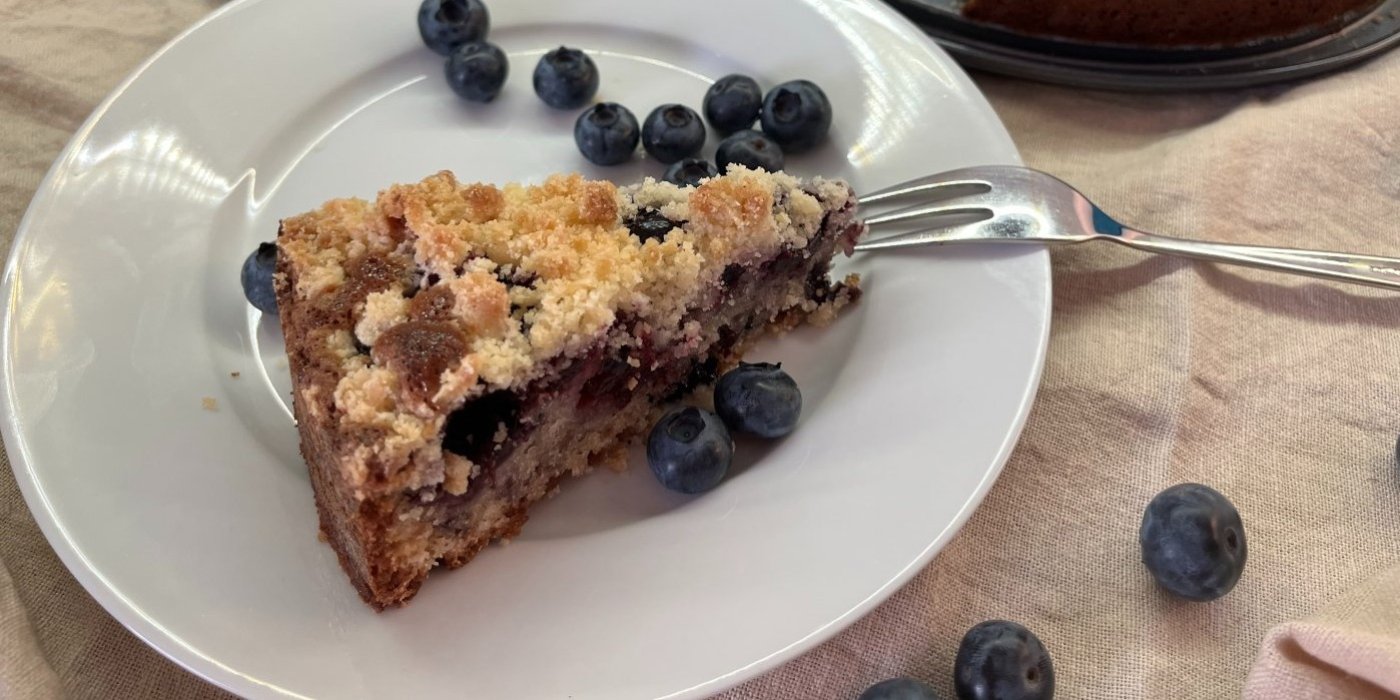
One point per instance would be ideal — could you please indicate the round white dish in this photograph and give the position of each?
(144, 402)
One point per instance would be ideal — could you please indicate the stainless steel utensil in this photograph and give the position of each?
(1009, 204)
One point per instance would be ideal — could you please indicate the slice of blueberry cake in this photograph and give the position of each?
(458, 350)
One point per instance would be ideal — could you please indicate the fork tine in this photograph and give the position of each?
(925, 211)
(938, 185)
(925, 236)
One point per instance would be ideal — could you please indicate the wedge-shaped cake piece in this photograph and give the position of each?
(458, 350)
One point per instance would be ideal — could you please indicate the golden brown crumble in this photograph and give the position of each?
(512, 278)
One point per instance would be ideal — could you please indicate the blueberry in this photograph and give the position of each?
(797, 115)
(672, 132)
(477, 71)
(749, 148)
(689, 450)
(689, 172)
(566, 78)
(899, 689)
(607, 133)
(732, 103)
(760, 399)
(1193, 542)
(448, 24)
(256, 278)
(1000, 660)
(650, 224)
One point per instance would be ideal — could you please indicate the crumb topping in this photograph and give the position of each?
(457, 471)
(504, 281)
(320, 243)
(383, 310)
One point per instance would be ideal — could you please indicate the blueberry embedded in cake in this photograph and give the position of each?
(459, 350)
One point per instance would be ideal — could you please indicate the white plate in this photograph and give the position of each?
(196, 528)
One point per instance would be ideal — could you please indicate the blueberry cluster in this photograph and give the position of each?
(792, 118)
(476, 69)
(690, 449)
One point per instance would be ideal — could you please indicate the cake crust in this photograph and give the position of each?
(458, 349)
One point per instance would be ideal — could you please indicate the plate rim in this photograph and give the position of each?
(210, 669)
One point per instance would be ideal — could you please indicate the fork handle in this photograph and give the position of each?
(1372, 270)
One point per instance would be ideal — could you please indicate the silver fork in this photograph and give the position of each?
(1002, 203)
